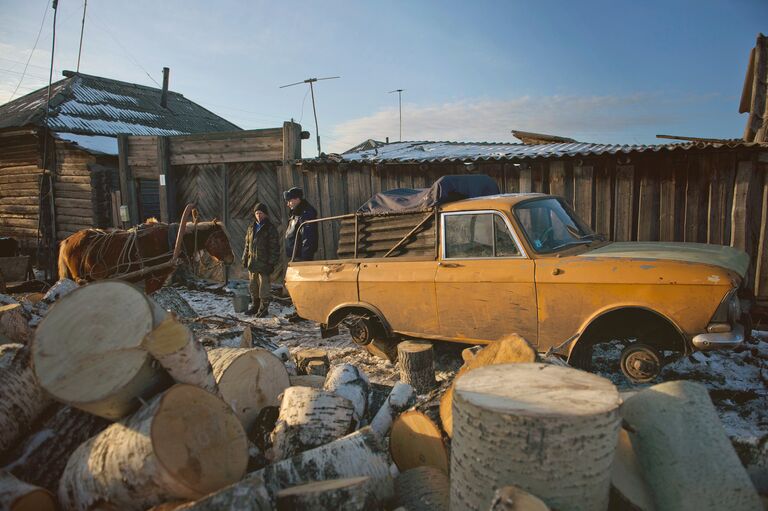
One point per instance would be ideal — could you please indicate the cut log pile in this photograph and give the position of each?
(112, 403)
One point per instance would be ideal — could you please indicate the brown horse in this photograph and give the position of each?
(94, 254)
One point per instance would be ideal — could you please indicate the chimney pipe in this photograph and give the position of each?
(164, 94)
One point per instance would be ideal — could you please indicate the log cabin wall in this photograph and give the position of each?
(20, 176)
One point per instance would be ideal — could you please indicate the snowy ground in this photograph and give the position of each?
(737, 380)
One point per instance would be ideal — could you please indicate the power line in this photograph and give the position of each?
(310, 81)
(34, 47)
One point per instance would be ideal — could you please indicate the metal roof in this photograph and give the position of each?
(93, 105)
(424, 152)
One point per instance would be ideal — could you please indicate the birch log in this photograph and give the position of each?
(248, 380)
(417, 441)
(17, 495)
(512, 348)
(40, 459)
(352, 383)
(184, 444)
(88, 350)
(357, 454)
(550, 430)
(21, 398)
(173, 345)
(14, 324)
(680, 443)
(416, 360)
(401, 398)
(423, 489)
(170, 299)
(512, 498)
(309, 418)
(351, 494)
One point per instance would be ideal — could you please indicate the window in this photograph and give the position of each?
(477, 235)
(550, 226)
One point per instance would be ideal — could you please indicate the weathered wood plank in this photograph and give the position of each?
(583, 185)
(603, 201)
(648, 207)
(557, 178)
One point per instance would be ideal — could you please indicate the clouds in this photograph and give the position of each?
(587, 118)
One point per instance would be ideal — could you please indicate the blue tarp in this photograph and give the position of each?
(446, 189)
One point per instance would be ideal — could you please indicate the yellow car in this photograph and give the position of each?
(526, 264)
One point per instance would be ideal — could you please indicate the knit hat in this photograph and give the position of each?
(260, 207)
(293, 193)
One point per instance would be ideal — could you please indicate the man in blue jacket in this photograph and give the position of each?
(260, 255)
(304, 241)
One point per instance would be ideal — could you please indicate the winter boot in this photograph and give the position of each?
(254, 308)
(263, 309)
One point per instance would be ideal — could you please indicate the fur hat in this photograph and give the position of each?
(293, 193)
(260, 207)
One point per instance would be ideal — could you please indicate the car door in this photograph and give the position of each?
(484, 281)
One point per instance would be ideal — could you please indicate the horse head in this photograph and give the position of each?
(217, 244)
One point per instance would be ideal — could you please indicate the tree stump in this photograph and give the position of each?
(551, 430)
(416, 361)
(88, 351)
(416, 441)
(401, 398)
(248, 380)
(309, 418)
(678, 440)
(184, 444)
(14, 324)
(41, 458)
(17, 495)
(512, 348)
(355, 455)
(352, 383)
(423, 489)
(170, 300)
(22, 400)
(307, 380)
(172, 344)
(351, 494)
(512, 498)
(306, 357)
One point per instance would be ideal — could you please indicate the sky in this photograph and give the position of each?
(616, 71)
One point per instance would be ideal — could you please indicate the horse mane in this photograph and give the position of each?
(151, 220)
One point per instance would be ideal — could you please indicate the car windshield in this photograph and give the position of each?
(551, 226)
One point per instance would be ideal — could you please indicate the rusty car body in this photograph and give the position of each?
(525, 263)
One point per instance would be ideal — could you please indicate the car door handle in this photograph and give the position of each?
(449, 265)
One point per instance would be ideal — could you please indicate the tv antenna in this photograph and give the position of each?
(310, 81)
(400, 101)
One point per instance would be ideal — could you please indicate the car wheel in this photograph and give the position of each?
(641, 362)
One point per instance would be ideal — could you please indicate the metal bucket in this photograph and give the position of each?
(240, 302)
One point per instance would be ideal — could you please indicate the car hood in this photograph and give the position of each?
(717, 255)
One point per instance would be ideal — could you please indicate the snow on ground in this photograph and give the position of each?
(737, 380)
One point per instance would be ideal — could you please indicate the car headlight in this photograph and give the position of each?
(729, 310)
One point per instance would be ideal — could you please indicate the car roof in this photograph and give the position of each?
(491, 201)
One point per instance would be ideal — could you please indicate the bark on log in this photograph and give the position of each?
(156, 455)
(306, 356)
(680, 443)
(170, 300)
(533, 416)
(307, 380)
(512, 348)
(59, 290)
(22, 400)
(16, 495)
(629, 489)
(352, 383)
(88, 350)
(512, 498)
(416, 361)
(423, 489)
(402, 397)
(352, 494)
(14, 323)
(357, 454)
(309, 418)
(248, 380)
(41, 458)
(172, 344)
(416, 441)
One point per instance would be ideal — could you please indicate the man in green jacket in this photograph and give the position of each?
(260, 255)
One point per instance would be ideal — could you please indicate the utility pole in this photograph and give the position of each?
(400, 101)
(310, 81)
(82, 29)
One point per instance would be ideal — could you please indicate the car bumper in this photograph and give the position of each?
(719, 341)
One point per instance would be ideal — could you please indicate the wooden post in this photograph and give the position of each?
(533, 415)
(167, 184)
(225, 207)
(127, 183)
(417, 365)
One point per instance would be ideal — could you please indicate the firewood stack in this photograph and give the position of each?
(112, 403)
